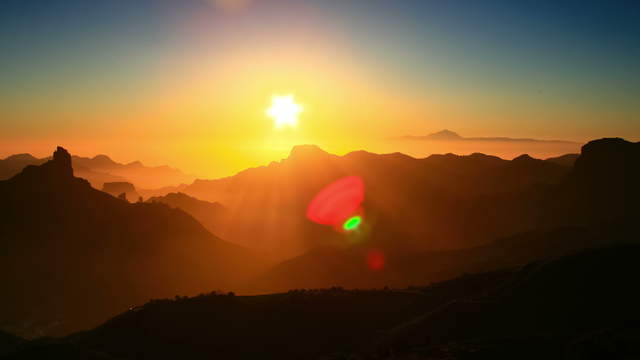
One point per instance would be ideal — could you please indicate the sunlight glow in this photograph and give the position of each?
(284, 111)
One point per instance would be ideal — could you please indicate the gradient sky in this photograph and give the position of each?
(186, 82)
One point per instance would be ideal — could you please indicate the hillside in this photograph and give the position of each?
(209, 214)
(440, 202)
(586, 209)
(83, 255)
(574, 307)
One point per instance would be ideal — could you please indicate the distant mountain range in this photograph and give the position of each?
(448, 135)
(101, 169)
(83, 256)
(591, 205)
(267, 205)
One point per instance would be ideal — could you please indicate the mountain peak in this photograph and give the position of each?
(61, 155)
(61, 163)
(58, 169)
(523, 158)
(306, 151)
(444, 135)
(102, 158)
(21, 157)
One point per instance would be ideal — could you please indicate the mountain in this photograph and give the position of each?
(506, 147)
(348, 267)
(593, 206)
(444, 135)
(448, 135)
(101, 169)
(83, 256)
(576, 307)
(209, 214)
(580, 306)
(15, 163)
(149, 177)
(567, 160)
(121, 187)
(433, 203)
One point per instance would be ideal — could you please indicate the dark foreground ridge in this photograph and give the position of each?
(582, 306)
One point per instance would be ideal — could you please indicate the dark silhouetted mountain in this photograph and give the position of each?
(567, 160)
(15, 163)
(438, 202)
(347, 267)
(209, 214)
(101, 169)
(602, 186)
(581, 306)
(83, 255)
(549, 309)
(118, 188)
(592, 207)
(609, 165)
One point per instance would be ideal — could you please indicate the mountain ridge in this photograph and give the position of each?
(87, 255)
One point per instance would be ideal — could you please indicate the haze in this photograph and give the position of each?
(186, 83)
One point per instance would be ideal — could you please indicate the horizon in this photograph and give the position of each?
(364, 179)
(527, 141)
(187, 83)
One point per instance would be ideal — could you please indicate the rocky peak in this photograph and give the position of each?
(58, 170)
(609, 159)
(62, 156)
(61, 162)
(523, 158)
(307, 152)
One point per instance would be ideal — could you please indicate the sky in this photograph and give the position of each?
(187, 82)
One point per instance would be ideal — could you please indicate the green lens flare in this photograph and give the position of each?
(352, 223)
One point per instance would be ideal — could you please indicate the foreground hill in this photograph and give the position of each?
(582, 306)
(72, 256)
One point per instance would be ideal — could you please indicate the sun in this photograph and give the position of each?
(284, 111)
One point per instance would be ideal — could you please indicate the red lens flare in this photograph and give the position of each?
(337, 202)
(375, 260)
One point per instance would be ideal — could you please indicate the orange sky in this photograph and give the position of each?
(188, 86)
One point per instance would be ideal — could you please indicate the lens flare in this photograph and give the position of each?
(352, 223)
(375, 260)
(337, 202)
